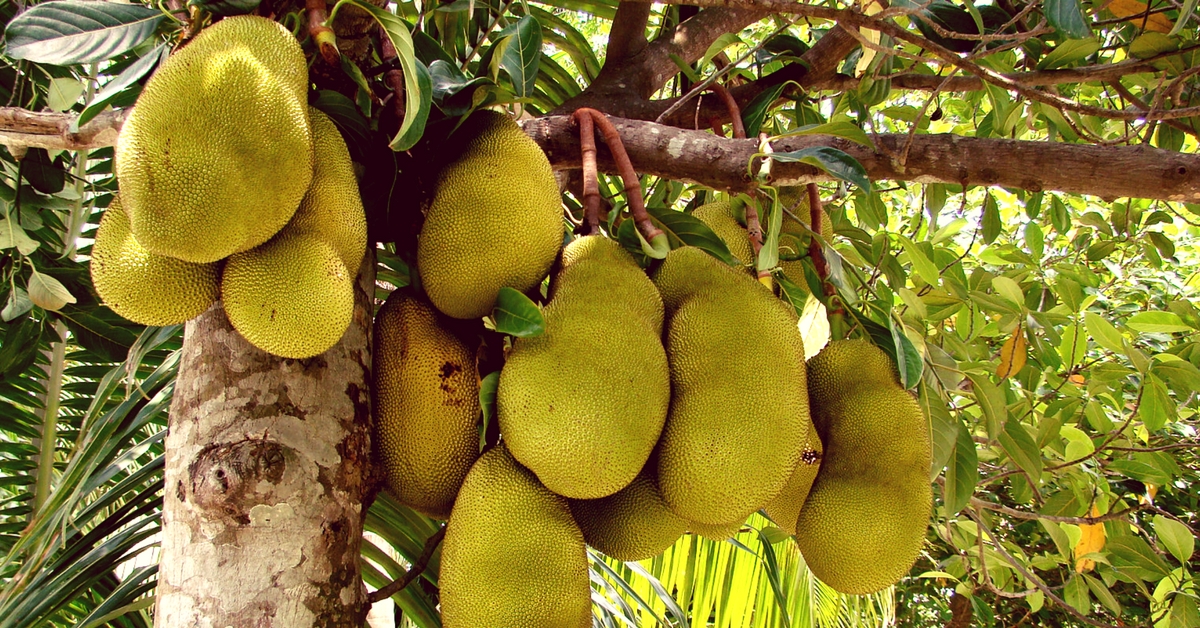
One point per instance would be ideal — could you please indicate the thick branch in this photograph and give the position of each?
(1105, 171)
(21, 127)
(627, 37)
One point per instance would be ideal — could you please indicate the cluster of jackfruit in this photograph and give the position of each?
(650, 406)
(231, 187)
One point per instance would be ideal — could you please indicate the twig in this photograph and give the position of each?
(591, 185)
(815, 213)
(633, 188)
(1033, 516)
(735, 112)
(413, 572)
(323, 35)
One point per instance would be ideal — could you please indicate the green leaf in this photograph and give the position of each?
(225, 7)
(47, 292)
(13, 236)
(684, 229)
(521, 55)
(517, 315)
(836, 162)
(926, 269)
(1069, 53)
(76, 31)
(908, 359)
(1104, 333)
(718, 46)
(943, 429)
(991, 225)
(100, 330)
(755, 112)
(1157, 323)
(991, 401)
(64, 92)
(18, 303)
(1156, 408)
(129, 77)
(1009, 290)
(418, 86)
(1151, 43)
(1075, 593)
(1067, 18)
(487, 401)
(1176, 537)
(1132, 552)
(1022, 448)
(838, 128)
(963, 473)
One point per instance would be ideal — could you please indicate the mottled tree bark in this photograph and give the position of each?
(267, 476)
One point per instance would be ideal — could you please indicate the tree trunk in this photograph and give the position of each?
(267, 476)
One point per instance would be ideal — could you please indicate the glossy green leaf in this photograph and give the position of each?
(515, 314)
(1104, 333)
(837, 128)
(1135, 556)
(1157, 323)
(1175, 537)
(1067, 17)
(1069, 52)
(684, 229)
(67, 32)
(522, 53)
(962, 475)
(837, 163)
(1022, 448)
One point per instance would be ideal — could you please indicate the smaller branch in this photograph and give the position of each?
(735, 112)
(633, 188)
(1033, 516)
(413, 572)
(815, 212)
(591, 186)
(321, 34)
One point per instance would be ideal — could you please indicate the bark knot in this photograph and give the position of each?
(225, 477)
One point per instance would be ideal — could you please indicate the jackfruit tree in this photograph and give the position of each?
(556, 313)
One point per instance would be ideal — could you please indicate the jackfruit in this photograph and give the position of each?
(332, 208)
(739, 408)
(603, 335)
(145, 288)
(784, 509)
(864, 522)
(426, 406)
(728, 222)
(290, 297)
(495, 220)
(632, 524)
(513, 556)
(716, 532)
(218, 152)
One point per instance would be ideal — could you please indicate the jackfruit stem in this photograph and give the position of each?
(814, 244)
(591, 186)
(413, 572)
(633, 188)
(323, 35)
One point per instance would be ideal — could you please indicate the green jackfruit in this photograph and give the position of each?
(218, 151)
(632, 524)
(332, 208)
(290, 297)
(716, 532)
(495, 220)
(784, 509)
(603, 335)
(513, 556)
(728, 222)
(426, 405)
(145, 288)
(864, 522)
(739, 407)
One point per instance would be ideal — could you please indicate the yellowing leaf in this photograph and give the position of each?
(1012, 355)
(47, 292)
(1125, 8)
(1091, 539)
(1077, 379)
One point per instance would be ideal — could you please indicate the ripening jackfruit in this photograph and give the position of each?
(426, 405)
(495, 220)
(739, 407)
(864, 522)
(784, 509)
(332, 208)
(583, 404)
(290, 297)
(513, 556)
(218, 151)
(632, 524)
(145, 288)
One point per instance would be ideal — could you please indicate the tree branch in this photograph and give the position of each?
(1106, 171)
(1034, 516)
(627, 37)
(32, 129)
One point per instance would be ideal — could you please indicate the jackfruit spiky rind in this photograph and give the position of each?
(332, 208)
(426, 405)
(589, 438)
(785, 508)
(513, 556)
(864, 522)
(720, 217)
(217, 154)
(716, 532)
(495, 221)
(632, 524)
(145, 288)
(739, 409)
(290, 297)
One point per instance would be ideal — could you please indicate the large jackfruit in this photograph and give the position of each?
(513, 556)
(218, 151)
(426, 406)
(145, 288)
(332, 208)
(583, 404)
(739, 407)
(291, 297)
(717, 531)
(864, 521)
(632, 524)
(495, 220)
